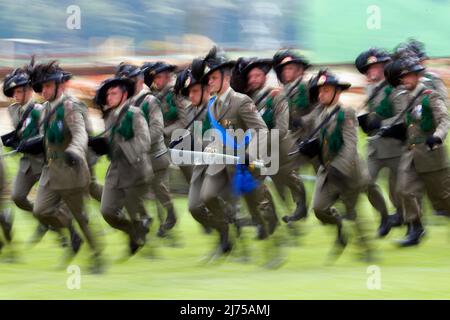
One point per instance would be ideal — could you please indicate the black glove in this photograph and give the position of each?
(310, 148)
(374, 124)
(296, 123)
(71, 158)
(432, 141)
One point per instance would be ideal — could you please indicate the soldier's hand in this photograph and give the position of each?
(432, 141)
(71, 158)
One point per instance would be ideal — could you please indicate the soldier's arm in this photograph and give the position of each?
(346, 156)
(440, 115)
(253, 120)
(139, 144)
(281, 114)
(74, 119)
(155, 119)
(183, 106)
(12, 111)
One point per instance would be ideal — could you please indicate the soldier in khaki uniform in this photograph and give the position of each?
(189, 84)
(25, 115)
(341, 175)
(250, 77)
(430, 80)
(290, 68)
(232, 110)
(383, 152)
(175, 108)
(151, 108)
(65, 175)
(424, 165)
(130, 169)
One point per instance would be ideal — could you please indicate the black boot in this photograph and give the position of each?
(6, 221)
(396, 219)
(225, 243)
(171, 219)
(414, 235)
(75, 240)
(342, 237)
(385, 227)
(301, 211)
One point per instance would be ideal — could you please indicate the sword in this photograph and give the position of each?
(200, 158)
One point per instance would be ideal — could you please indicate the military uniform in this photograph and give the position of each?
(236, 111)
(383, 152)
(421, 168)
(274, 110)
(65, 132)
(129, 172)
(175, 111)
(30, 166)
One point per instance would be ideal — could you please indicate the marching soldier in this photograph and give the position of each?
(175, 108)
(424, 165)
(130, 169)
(273, 108)
(430, 79)
(290, 68)
(383, 152)
(340, 175)
(189, 84)
(151, 108)
(25, 114)
(65, 175)
(231, 110)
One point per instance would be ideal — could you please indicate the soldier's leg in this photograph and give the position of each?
(113, 201)
(46, 209)
(196, 207)
(74, 199)
(374, 193)
(437, 183)
(210, 192)
(134, 202)
(397, 218)
(95, 188)
(160, 186)
(21, 188)
(411, 188)
(187, 172)
(326, 193)
(291, 180)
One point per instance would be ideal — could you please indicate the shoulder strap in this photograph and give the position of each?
(324, 122)
(375, 93)
(139, 101)
(260, 99)
(25, 116)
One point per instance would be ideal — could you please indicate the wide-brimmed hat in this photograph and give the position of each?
(215, 60)
(151, 69)
(51, 71)
(189, 77)
(17, 78)
(100, 96)
(325, 77)
(371, 57)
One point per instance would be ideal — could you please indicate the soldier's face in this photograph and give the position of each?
(327, 95)
(161, 80)
(215, 81)
(195, 94)
(291, 72)
(48, 90)
(410, 80)
(256, 79)
(115, 96)
(375, 72)
(22, 94)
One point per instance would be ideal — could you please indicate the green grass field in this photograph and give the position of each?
(164, 271)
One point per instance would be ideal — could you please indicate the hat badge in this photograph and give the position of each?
(322, 80)
(372, 59)
(12, 84)
(207, 69)
(287, 59)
